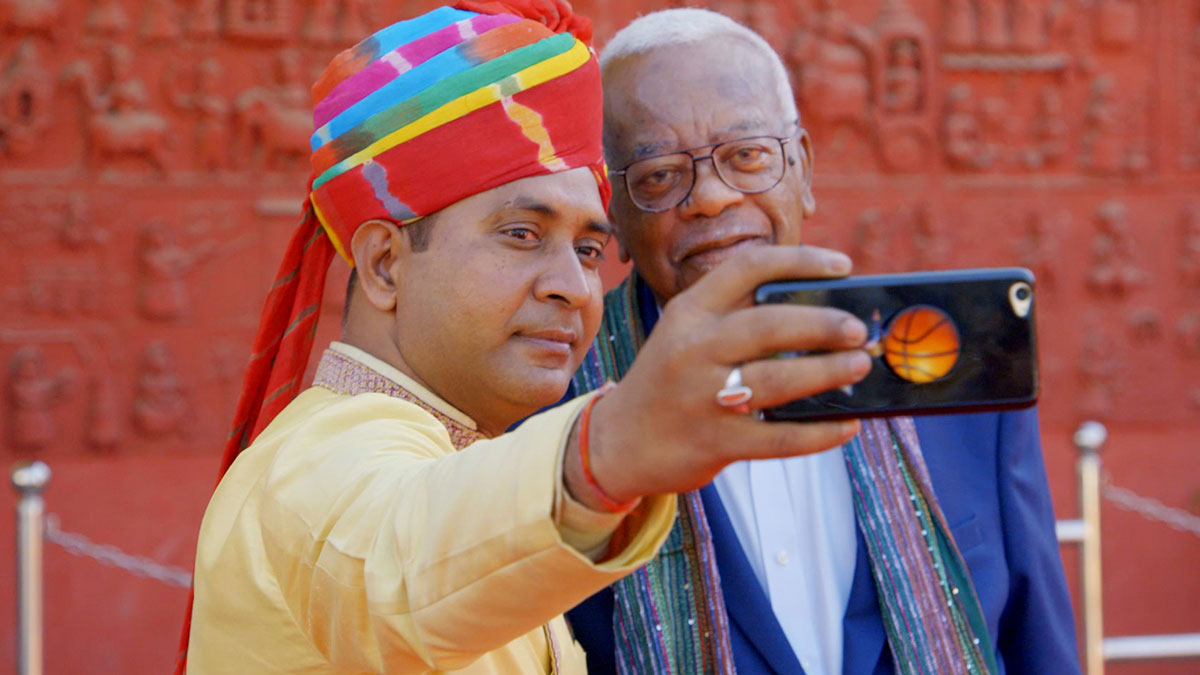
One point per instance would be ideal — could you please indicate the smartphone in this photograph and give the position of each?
(949, 341)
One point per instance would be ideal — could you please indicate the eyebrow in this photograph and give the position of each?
(652, 148)
(523, 203)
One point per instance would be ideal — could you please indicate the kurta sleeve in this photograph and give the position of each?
(395, 553)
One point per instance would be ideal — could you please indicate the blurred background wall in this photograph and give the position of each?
(153, 155)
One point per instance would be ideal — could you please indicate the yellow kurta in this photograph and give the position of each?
(353, 537)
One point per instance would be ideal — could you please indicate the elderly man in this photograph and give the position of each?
(873, 558)
(381, 521)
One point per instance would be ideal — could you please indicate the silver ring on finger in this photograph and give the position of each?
(735, 395)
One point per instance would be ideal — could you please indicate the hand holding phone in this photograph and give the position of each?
(952, 341)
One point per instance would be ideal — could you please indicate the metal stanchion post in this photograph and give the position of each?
(29, 479)
(1089, 438)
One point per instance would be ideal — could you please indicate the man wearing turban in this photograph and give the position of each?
(382, 520)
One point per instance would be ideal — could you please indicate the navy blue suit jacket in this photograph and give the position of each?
(990, 480)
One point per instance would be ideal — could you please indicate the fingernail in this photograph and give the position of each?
(849, 427)
(859, 364)
(854, 331)
(838, 263)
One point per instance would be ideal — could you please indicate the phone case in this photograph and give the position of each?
(952, 341)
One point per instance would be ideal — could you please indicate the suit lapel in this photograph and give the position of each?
(745, 600)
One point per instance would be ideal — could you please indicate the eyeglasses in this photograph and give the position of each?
(748, 165)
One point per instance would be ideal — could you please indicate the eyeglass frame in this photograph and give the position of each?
(800, 132)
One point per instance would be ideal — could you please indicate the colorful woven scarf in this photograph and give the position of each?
(670, 617)
(418, 116)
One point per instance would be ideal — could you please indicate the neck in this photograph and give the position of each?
(488, 422)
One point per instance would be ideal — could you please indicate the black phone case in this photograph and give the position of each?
(996, 363)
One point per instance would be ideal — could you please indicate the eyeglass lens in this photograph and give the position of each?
(749, 165)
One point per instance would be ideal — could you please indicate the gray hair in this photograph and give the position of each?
(688, 26)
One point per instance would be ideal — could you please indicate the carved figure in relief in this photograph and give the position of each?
(1029, 27)
(931, 244)
(962, 133)
(902, 78)
(1104, 135)
(762, 17)
(1098, 370)
(203, 19)
(1048, 129)
(873, 253)
(320, 22)
(993, 25)
(160, 407)
(32, 17)
(33, 394)
(107, 18)
(356, 20)
(275, 120)
(1116, 23)
(119, 122)
(961, 34)
(1188, 331)
(103, 419)
(1113, 271)
(213, 132)
(76, 230)
(257, 19)
(25, 101)
(160, 21)
(1037, 249)
(1189, 250)
(164, 267)
(832, 67)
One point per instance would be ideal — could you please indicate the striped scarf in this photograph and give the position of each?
(669, 616)
(416, 117)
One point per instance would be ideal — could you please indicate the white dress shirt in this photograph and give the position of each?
(795, 520)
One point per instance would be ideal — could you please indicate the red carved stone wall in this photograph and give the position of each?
(153, 158)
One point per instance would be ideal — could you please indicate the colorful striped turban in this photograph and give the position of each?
(418, 116)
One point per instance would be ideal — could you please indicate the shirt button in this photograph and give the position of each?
(781, 557)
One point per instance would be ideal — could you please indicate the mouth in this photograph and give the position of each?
(709, 254)
(555, 340)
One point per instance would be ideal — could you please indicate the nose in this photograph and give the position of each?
(710, 195)
(563, 279)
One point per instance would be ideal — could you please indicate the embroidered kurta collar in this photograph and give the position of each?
(348, 370)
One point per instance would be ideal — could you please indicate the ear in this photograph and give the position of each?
(376, 247)
(803, 167)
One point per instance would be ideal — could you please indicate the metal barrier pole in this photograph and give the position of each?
(1089, 439)
(29, 479)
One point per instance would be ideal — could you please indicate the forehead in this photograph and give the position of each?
(683, 96)
(571, 194)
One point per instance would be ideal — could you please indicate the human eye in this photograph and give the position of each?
(521, 232)
(657, 178)
(750, 156)
(590, 250)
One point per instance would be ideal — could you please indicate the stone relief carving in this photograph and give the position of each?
(26, 105)
(1037, 249)
(160, 407)
(160, 21)
(32, 17)
(118, 119)
(212, 110)
(274, 121)
(107, 18)
(163, 292)
(1189, 247)
(1098, 370)
(1114, 271)
(35, 390)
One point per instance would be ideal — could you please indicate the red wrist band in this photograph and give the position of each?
(611, 505)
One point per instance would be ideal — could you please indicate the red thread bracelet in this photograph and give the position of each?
(611, 505)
